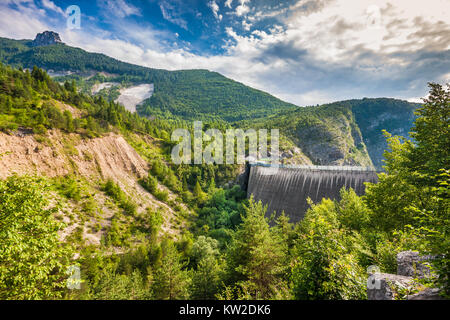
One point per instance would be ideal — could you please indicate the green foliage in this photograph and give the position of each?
(412, 199)
(432, 132)
(150, 183)
(221, 213)
(33, 262)
(69, 187)
(255, 256)
(114, 191)
(233, 252)
(155, 221)
(170, 280)
(326, 262)
(208, 268)
(33, 100)
(356, 123)
(113, 286)
(187, 94)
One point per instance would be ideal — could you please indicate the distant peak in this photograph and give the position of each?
(46, 38)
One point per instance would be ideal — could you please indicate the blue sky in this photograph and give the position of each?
(303, 51)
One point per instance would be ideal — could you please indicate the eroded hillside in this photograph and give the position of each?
(92, 162)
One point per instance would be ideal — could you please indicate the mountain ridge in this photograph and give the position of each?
(340, 133)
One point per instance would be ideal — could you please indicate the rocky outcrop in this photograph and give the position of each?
(410, 265)
(46, 38)
(60, 154)
(107, 157)
(427, 294)
(335, 141)
(384, 286)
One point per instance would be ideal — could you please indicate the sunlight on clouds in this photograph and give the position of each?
(52, 6)
(242, 8)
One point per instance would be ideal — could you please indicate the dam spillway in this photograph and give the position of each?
(288, 188)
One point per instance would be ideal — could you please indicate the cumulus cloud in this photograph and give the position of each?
(23, 22)
(242, 8)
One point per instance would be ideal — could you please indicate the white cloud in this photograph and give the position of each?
(247, 26)
(215, 9)
(52, 6)
(242, 8)
(119, 8)
(171, 14)
(228, 3)
(23, 23)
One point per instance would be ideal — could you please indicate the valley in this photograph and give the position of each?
(87, 179)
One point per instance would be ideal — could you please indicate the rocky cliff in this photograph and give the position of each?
(46, 38)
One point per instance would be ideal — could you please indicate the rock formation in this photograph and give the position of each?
(46, 38)
(410, 265)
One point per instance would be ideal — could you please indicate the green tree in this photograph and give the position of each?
(170, 280)
(115, 286)
(206, 276)
(256, 255)
(326, 262)
(431, 131)
(33, 261)
(69, 126)
(412, 199)
(199, 194)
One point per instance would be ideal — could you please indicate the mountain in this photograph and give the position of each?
(341, 133)
(187, 94)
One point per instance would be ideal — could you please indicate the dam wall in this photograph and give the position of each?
(288, 188)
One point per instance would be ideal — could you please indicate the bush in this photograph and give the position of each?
(162, 195)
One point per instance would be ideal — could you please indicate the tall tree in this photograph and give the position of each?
(33, 262)
(206, 276)
(170, 280)
(256, 255)
(412, 199)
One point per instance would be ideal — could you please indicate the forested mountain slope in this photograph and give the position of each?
(190, 94)
(343, 133)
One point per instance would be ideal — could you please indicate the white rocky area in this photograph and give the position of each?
(96, 88)
(133, 96)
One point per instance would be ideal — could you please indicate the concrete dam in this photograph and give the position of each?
(287, 188)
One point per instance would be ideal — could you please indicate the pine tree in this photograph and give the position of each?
(8, 105)
(197, 189)
(256, 255)
(170, 280)
(69, 126)
(206, 277)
